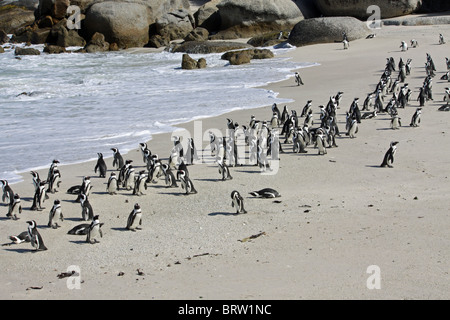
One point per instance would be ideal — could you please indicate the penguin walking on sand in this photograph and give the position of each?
(39, 197)
(144, 151)
(86, 209)
(237, 202)
(169, 177)
(123, 172)
(113, 184)
(395, 122)
(320, 143)
(351, 126)
(129, 178)
(298, 79)
(94, 231)
(118, 159)
(441, 39)
(14, 208)
(415, 120)
(101, 166)
(224, 171)
(85, 188)
(404, 46)
(8, 193)
(35, 236)
(135, 218)
(55, 181)
(191, 152)
(53, 167)
(388, 159)
(140, 183)
(186, 183)
(346, 44)
(55, 215)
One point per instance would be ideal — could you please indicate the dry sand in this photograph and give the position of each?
(339, 213)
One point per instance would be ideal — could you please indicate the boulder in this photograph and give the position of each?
(52, 49)
(26, 4)
(3, 37)
(198, 34)
(358, 8)
(205, 47)
(2, 50)
(13, 19)
(244, 56)
(327, 29)
(434, 6)
(175, 24)
(26, 51)
(69, 38)
(113, 47)
(189, 63)
(207, 16)
(248, 18)
(59, 8)
(40, 36)
(268, 39)
(156, 41)
(97, 44)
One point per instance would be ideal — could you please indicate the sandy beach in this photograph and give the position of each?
(339, 214)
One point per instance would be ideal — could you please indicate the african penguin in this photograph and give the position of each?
(94, 231)
(135, 218)
(388, 159)
(237, 202)
(118, 159)
(14, 208)
(113, 184)
(415, 120)
(101, 166)
(35, 236)
(266, 193)
(55, 215)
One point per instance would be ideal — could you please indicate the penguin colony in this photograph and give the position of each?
(261, 138)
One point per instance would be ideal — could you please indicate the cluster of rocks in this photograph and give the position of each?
(117, 24)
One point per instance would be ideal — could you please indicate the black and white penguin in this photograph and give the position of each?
(39, 197)
(85, 188)
(169, 177)
(346, 44)
(224, 171)
(415, 120)
(100, 166)
(53, 167)
(55, 181)
(36, 179)
(266, 193)
(191, 152)
(414, 43)
(441, 39)
(276, 110)
(21, 237)
(129, 178)
(14, 208)
(8, 193)
(237, 202)
(113, 184)
(369, 115)
(94, 231)
(306, 109)
(299, 141)
(395, 122)
(123, 171)
(298, 79)
(140, 184)
(55, 215)
(321, 144)
(81, 229)
(186, 183)
(351, 126)
(388, 159)
(35, 236)
(135, 218)
(404, 46)
(87, 213)
(144, 151)
(118, 159)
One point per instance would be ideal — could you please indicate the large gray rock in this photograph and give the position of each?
(175, 24)
(27, 4)
(26, 51)
(208, 17)
(205, 47)
(97, 44)
(248, 18)
(327, 29)
(358, 8)
(14, 19)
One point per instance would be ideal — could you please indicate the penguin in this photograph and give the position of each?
(415, 120)
(55, 215)
(154, 167)
(346, 44)
(169, 177)
(129, 178)
(298, 79)
(55, 181)
(39, 197)
(369, 115)
(266, 193)
(118, 159)
(441, 39)
(275, 121)
(113, 184)
(36, 179)
(100, 166)
(306, 109)
(85, 188)
(81, 229)
(421, 98)
(276, 110)
(414, 43)
(35, 236)
(388, 159)
(86, 209)
(320, 142)
(94, 230)
(396, 122)
(191, 153)
(186, 183)
(144, 149)
(351, 126)
(123, 171)
(140, 183)
(135, 218)
(14, 208)
(8, 193)
(404, 46)
(299, 141)
(371, 36)
(21, 237)
(445, 107)
(224, 171)
(53, 166)
(354, 110)
(237, 202)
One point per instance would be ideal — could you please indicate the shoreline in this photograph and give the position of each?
(339, 214)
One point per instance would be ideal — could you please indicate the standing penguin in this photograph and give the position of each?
(85, 188)
(94, 231)
(298, 79)
(53, 167)
(101, 166)
(422, 97)
(169, 177)
(39, 197)
(86, 209)
(113, 184)
(118, 159)
(415, 120)
(55, 215)
(186, 183)
(55, 181)
(224, 171)
(388, 159)
(8, 193)
(396, 122)
(191, 153)
(346, 44)
(35, 236)
(140, 184)
(14, 208)
(129, 178)
(135, 218)
(320, 142)
(404, 46)
(351, 126)
(237, 202)
(123, 171)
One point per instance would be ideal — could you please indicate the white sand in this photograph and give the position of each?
(339, 213)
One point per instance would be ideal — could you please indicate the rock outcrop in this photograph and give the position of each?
(26, 51)
(358, 8)
(245, 56)
(14, 19)
(327, 29)
(97, 44)
(189, 63)
(205, 47)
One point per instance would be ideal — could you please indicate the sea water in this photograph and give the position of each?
(72, 106)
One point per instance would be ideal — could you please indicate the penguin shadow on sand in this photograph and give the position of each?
(222, 213)
(21, 250)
